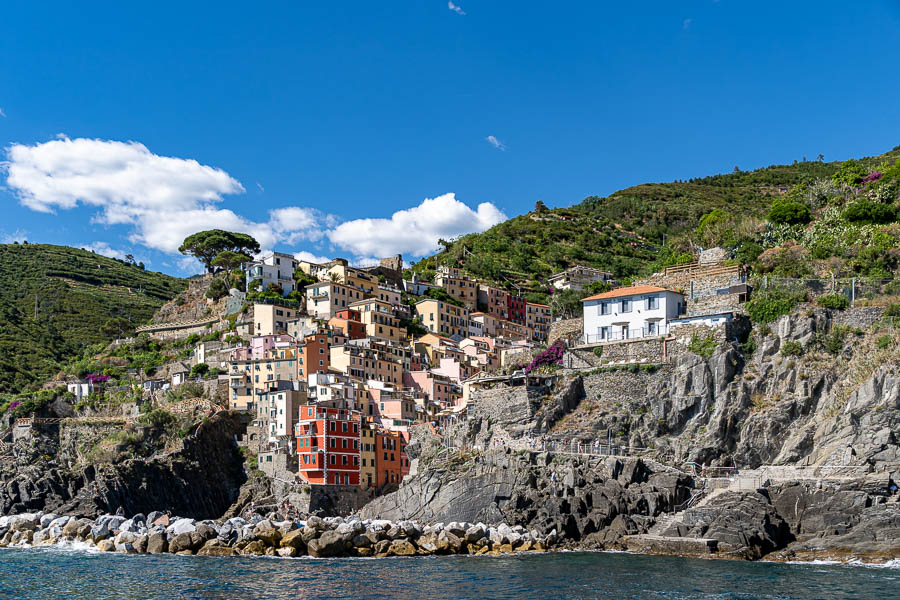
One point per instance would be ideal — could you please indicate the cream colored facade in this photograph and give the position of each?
(459, 285)
(379, 319)
(271, 319)
(443, 318)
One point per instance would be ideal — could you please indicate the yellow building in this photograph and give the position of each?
(367, 456)
(443, 318)
(379, 320)
(459, 285)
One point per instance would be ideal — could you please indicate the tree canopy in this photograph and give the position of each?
(207, 245)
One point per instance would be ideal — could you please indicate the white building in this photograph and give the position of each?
(81, 389)
(578, 277)
(628, 313)
(274, 268)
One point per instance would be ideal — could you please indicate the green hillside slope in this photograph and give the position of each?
(632, 231)
(54, 301)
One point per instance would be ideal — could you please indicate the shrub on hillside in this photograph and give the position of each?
(788, 212)
(199, 370)
(835, 301)
(791, 348)
(788, 260)
(866, 211)
(768, 305)
(158, 418)
(884, 342)
(552, 356)
(217, 289)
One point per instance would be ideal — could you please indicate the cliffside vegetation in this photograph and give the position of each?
(811, 218)
(55, 301)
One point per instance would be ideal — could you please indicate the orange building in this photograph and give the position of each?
(350, 323)
(391, 462)
(328, 445)
(315, 356)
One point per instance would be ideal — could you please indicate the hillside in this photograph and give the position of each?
(635, 230)
(54, 301)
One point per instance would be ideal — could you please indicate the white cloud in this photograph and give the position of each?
(2, 114)
(416, 230)
(19, 235)
(686, 23)
(456, 8)
(493, 141)
(103, 249)
(310, 257)
(163, 199)
(260, 187)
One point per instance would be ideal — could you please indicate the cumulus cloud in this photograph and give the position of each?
(416, 230)
(310, 257)
(163, 199)
(456, 8)
(104, 249)
(493, 141)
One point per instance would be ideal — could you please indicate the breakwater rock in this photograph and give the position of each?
(157, 533)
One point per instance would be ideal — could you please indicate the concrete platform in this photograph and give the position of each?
(676, 546)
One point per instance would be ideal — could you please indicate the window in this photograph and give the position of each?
(344, 443)
(344, 460)
(651, 328)
(626, 305)
(652, 302)
(604, 308)
(344, 427)
(331, 425)
(331, 459)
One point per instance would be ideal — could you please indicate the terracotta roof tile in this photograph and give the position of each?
(626, 291)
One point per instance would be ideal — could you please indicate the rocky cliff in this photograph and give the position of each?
(197, 476)
(806, 408)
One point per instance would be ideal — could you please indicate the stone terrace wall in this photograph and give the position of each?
(716, 303)
(703, 285)
(649, 350)
(567, 329)
(861, 317)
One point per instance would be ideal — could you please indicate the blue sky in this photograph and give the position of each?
(377, 127)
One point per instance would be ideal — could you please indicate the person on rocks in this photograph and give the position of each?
(120, 512)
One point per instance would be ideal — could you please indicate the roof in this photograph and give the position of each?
(627, 291)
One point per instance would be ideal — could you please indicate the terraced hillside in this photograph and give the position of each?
(54, 301)
(636, 230)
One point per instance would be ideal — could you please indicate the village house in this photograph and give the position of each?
(273, 269)
(379, 320)
(578, 278)
(443, 318)
(537, 319)
(390, 452)
(277, 407)
(325, 299)
(630, 313)
(459, 285)
(272, 319)
(493, 301)
(328, 445)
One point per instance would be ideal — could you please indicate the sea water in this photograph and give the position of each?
(78, 574)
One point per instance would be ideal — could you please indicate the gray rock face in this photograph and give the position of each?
(573, 496)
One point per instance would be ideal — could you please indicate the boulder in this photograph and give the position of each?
(256, 547)
(266, 532)
(157, 543)
(402, 547)
(71, 528)
(293, 539)
(287, 552)
(140, 544)
(106, 545)
(24, 522)
(182, 526)
(181, 542)
(46, 519)
(217, 551)
(330, 543)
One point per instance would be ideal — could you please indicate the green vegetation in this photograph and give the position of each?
(703, 346)
(640, 230)
(56, 302)
(884, 342)
(835, 301)
(218, 249)
(767, 305)
(833, 342)
(217, 289)
(199, 370)
(158, 418)
(791, 348)
(442, 295)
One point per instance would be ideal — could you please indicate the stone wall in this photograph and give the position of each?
(694, 285)
(567, 329)
(861, 317)
(713, 304)
(645, 350)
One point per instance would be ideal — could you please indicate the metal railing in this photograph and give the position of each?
(618, 336)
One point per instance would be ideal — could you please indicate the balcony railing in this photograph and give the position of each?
(618, 336)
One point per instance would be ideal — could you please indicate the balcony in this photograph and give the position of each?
(593, 339)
